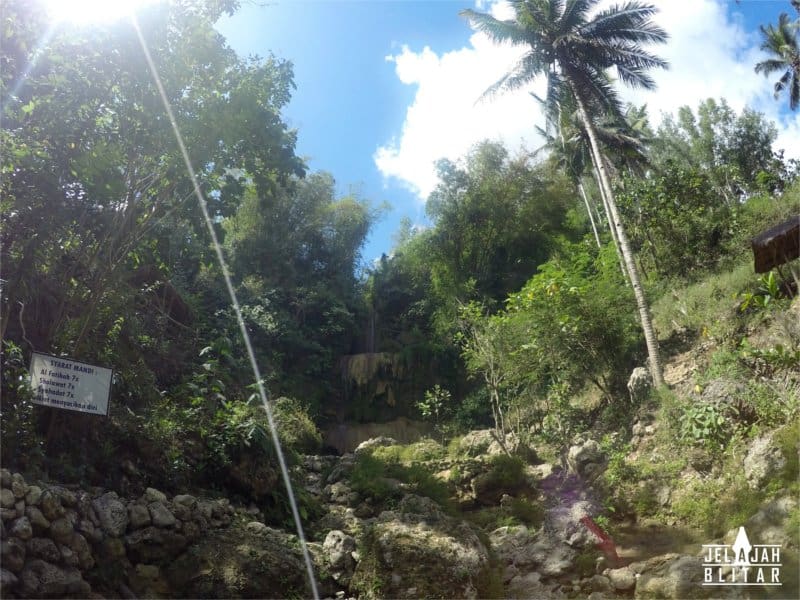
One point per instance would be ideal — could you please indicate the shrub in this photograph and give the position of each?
(296, 429)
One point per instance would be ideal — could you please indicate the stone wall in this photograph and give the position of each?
(60, 541)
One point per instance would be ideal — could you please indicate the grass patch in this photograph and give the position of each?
(376, 474)
(421, 451)
(708, 308)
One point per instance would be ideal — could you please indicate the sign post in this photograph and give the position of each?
(64, 383)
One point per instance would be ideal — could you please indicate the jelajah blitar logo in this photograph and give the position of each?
(742, 563)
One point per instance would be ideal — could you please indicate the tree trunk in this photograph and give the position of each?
(633, 273)
(589, 211)
(611, 227)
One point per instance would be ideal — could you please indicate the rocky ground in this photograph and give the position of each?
(59, 541)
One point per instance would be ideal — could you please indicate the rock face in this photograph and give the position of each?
(340, 552)
(418, 551)
(586, 459)
(639, 384)
(670, 576)
(253, 565)
(112, 514)
(763, 462)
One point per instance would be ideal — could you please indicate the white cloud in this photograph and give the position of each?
(447, 116)
(710, 55)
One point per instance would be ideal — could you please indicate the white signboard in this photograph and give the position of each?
(64, 383)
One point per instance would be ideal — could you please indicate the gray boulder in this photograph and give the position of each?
(670, 576)
(586, 459)
(12, 554)
(639, 384)
(371, 444)
(338, 549)
(418, 551)
(112, 514)
(764, 461)
(40, 579)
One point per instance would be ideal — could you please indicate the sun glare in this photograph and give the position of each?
(85, 12)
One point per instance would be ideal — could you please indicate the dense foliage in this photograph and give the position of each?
(506, 310)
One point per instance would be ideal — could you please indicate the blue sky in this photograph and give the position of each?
(384, 88)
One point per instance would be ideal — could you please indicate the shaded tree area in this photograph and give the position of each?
(106, 257)
(496, 218)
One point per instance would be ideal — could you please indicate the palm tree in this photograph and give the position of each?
(781, 42)
(575, 51)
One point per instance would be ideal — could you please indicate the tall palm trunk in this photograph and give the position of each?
(624, 245)
(611, 227)
(589, 212)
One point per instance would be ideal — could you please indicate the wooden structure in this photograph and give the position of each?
(777, 245)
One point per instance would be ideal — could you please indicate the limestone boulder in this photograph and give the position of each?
(418, 551)
(112, 513)
(764, 461)
(235, 563)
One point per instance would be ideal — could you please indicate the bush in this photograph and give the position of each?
(296, 429)
(21, 445)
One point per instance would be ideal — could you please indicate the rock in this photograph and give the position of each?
(88, 529)
(161, 515)
(182, 512)
(342, 469)
(476, 443)
(83, 551)
(43, 548)
(621, 579)
(7, 499)
(61, 530)
(586, 459)
(34, 495)
(51, 505)
(564, 522)
(7, 514)
(18, 486)
(37, 519)
(138, 516)
(252, 566)
(673, 577)
(771, 524)
(340, 493)
(597, 583)
(7, 581)
(153, 495)
(338, 549)
(256, 527)
(5, 478)
(68, 497)
(68, 556)
(112, 549)
(112, 513)
(424, 550)
(664, 495)
(539, 472)
(40, 579)
(639, 384)
(510, 445)
(764, 461)
(529, 585)
(371, 444)
(154, 545)
(185, 500)
(12, 552)
(21, 528)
